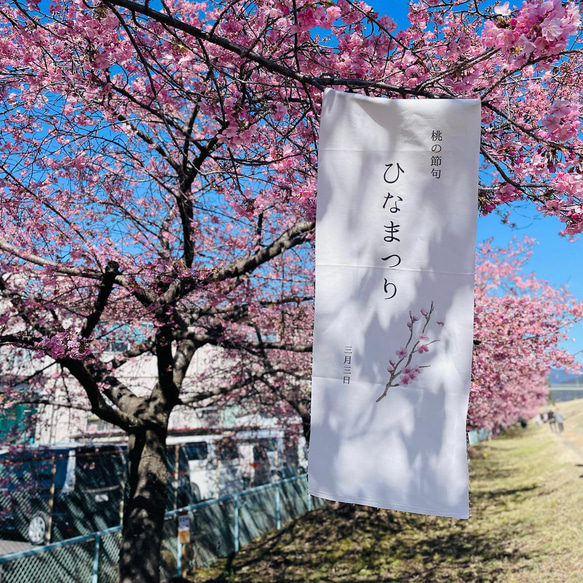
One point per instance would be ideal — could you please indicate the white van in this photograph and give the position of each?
(223, 464)
(214, 465)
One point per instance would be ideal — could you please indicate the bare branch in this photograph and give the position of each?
(43, 262)
(107, 283)
(99, 405)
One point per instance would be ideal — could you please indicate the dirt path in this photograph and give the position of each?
(571, 445)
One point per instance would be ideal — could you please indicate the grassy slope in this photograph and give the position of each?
(526, 526)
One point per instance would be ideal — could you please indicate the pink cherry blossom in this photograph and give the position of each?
(402, 352)
(519, 323)
(158, 182)
(502, 9)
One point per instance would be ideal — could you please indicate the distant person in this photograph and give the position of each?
(552, 420)
(560, 420)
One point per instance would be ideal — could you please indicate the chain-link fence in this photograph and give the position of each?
(194, 537)
(48, 494)
(52, 493)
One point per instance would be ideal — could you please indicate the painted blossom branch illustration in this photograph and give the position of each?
(403, 370)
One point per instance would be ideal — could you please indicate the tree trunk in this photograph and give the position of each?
(144, 515)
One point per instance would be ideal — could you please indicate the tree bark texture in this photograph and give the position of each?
(144, 515)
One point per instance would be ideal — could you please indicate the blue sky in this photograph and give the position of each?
(554, 259)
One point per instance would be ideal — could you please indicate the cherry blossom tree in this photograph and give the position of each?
(157, 175)
(519, 325)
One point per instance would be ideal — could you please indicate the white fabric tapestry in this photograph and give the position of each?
(395, 248)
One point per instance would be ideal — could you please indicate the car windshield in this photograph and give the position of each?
(99, 469)
(197, 451)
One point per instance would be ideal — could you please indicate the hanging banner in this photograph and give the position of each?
(395, 249)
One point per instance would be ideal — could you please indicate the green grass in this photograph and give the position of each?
(526, 526)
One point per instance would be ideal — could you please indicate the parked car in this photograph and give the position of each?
(51, 493)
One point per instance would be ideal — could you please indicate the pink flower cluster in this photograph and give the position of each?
(402, 371)
(519, 324)
(409, 375)
(64, 344)
(537, 29)
(125, 138)
(562, 121)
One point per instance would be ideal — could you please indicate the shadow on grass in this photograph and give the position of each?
(513, 494)
(348, 543)
(487, 470)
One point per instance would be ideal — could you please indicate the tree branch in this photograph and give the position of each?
(42, 262)
(293, 236)
(107, 282)
(273, 66)
(99, 406)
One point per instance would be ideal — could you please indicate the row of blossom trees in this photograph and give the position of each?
(157, 183)
(520, 327)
